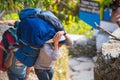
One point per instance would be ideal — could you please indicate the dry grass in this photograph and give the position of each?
(61, 66)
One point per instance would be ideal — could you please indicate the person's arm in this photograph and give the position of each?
(8, 62)
(56, 39)
(69, 41)
(58, 35)
(56, 44)
(28, 69)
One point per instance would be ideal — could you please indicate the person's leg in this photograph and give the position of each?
(42, 74)
(21, 78)
(11, 77)
(50, 73)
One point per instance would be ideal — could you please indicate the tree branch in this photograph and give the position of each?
(2, 13)
(106, 32)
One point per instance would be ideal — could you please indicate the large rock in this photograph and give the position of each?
(83, 46)
(108, 61)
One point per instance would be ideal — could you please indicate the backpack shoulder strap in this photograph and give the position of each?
(3, 54)
(2, 47)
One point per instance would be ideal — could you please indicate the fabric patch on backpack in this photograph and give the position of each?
(18, 63)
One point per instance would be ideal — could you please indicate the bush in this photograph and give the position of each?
(13, 16)
(78, 27)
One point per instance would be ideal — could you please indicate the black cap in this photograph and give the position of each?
(115, 4)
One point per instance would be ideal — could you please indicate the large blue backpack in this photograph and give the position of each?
(35, 28)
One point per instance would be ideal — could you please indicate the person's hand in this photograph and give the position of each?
(59, 34)
(26, 78)
(57, 37)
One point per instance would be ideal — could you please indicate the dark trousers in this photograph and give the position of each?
(13, 77)
(44, 74)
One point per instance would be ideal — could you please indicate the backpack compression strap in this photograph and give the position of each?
(28, 45)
